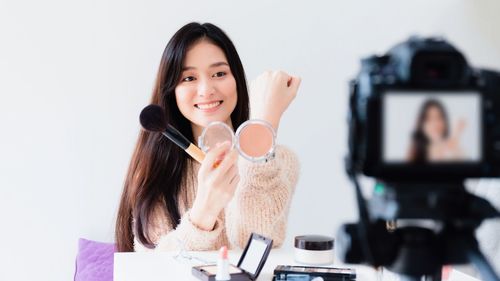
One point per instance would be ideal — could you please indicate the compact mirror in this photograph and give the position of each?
(215, 133)
(255, 254)
(254, 139)
(255, 251)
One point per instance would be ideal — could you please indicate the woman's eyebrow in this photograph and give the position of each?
(184, 68)
(219, 64)
(215, 64)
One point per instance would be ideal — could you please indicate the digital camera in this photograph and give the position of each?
(421, 113)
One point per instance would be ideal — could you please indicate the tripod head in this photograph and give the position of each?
(435, 227)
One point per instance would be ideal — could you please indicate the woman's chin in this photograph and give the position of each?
(206, 121)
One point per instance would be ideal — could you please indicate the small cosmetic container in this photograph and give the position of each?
(314, 249)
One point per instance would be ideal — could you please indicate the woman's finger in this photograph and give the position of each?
(214, 155)
(231, 171)
(230, 158)
(282, 77)
(234, 180)
(294, 83)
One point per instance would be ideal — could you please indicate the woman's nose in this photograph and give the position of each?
(205, 88)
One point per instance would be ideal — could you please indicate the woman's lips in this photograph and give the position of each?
(209, 106)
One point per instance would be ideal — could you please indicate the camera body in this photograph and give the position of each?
(390, 140)
(421, 121)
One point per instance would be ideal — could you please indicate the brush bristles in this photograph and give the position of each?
(153, 118)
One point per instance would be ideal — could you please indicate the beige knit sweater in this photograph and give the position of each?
(260, 204)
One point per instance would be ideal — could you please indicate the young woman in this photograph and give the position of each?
(169, 200)
(432, 140)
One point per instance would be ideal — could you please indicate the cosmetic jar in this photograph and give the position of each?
(314, 249)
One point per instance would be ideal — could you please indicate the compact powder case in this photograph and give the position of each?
(255, 139)
(251, 262)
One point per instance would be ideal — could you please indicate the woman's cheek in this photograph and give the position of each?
(230, 91)
(184, 101)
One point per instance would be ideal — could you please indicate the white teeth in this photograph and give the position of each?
(208, 105)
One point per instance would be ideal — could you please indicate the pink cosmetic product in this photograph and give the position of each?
(255, 139)
(222, 265)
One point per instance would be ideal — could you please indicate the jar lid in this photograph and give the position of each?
(314, 242)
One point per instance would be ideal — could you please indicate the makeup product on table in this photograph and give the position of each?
(314, 249)
(222, 266)
(255, 139)
(152, 119)
(251, 262)
(308, 273)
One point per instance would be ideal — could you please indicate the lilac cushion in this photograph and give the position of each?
(94, 261)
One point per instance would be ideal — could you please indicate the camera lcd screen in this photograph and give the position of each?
(431, 127)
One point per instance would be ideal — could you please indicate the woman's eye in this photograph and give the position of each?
(219, 74)
(188, 79)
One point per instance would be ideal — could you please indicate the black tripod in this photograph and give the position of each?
(413, 249)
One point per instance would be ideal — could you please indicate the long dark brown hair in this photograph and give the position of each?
(158, 167)
(420, 142)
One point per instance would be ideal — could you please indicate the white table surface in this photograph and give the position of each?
(164, 266)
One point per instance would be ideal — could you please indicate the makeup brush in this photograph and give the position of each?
(152, 119)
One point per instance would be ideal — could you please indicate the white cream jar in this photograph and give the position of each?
(314, 249)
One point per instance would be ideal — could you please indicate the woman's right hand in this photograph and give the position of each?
(217, 180)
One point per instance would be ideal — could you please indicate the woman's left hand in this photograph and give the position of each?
(270, 95)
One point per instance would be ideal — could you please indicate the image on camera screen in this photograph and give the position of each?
(427, 127)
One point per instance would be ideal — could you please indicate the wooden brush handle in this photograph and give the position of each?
(195, 152)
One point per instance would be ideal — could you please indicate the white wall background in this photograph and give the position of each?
(75, 74)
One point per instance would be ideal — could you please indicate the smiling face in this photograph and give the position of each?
(206, 91)
(434, 124)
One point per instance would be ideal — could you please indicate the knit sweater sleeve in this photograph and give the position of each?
(262, 199)
(185, 236)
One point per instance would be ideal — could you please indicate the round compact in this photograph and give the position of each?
(314, 249)
(215, 133)
(254, 139)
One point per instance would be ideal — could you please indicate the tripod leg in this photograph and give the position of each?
(482, 265)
